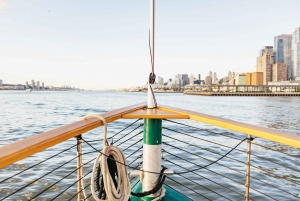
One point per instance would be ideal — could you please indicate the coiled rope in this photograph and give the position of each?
(121, 191)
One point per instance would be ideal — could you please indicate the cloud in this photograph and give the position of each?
(3, 6)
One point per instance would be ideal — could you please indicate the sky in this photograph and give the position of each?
(100, 44)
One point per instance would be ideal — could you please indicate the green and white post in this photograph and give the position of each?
(151, 154)
(152, 130)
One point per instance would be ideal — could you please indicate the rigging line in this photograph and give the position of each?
(208, 179)
(152, 75)
(121, 162)
(213, 161)
(202, 139)
(118, 132)
(135, 152)
(73, 185)
(187, 188)
(61, 179)
(37, 164)
(275, 150)
(40, 177)
(226, 167)
(80, 190)
(199, 157)
(133, 144)
(224, 177)
(130, 138)
(130, 132)
(201, 129)
(275, 175)
(204, 187)
(207, 149)
(174, 172)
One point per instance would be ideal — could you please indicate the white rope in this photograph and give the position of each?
(123, 188)
(162, 194)
(104, 125)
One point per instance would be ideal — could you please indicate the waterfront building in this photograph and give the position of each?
(266, 68)
(270, 50)
(210, 74)
(43, 87)
(26, 84)
(240, 79)
(185, 79)
(296, 54)
(32, 84)
(248, 78)
(199, 76)
(38, 85)
(279, 72)
(257, 78)
(1, 83)
(283, 50)
(214, 78)
(160, 81)
(191, 79)
(229, 76)
(259, 67)
(208, 80)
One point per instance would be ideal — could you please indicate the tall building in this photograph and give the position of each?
(1, 83)
(248, 78)
(185, 79)
(283, 50)
(214, 78)
(240, 79)
(229, 75)
(38, 85)
(296, 54)
(257, 78)
(199, 76)
(32, 84)
(279, 72)
(259, 67)
(266, 68)
(208, 80)
(210, 74)
(26, 84)
(268, 49)
(191, 79)
(43, 87)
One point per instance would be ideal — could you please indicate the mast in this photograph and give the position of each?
(152, 128)
(151, 44)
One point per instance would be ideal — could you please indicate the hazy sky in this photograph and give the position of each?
(101, 44)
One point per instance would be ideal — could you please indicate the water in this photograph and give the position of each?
(27, 114)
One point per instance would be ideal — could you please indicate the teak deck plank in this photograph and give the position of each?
(154, 114)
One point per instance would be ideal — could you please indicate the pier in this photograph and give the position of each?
(202, 93)
(244, 90)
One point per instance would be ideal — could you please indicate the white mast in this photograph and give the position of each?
(152, 23)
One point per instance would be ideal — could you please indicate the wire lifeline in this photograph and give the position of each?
(134, 168)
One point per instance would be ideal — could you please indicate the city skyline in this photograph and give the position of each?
(95, 46)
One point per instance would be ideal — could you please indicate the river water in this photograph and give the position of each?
(27, 114)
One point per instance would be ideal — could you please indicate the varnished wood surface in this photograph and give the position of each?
(29, 146)
(248, 129)
(154, 114)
